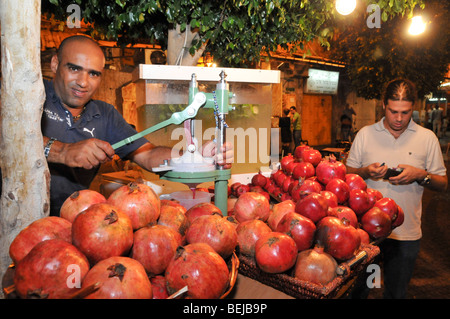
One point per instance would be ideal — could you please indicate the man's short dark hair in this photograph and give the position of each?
(400, 90)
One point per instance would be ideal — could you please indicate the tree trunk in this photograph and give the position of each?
(178, 45)
(25, 184)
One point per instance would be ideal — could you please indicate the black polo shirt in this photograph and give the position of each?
(99, 120)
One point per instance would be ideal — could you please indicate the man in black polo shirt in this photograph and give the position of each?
(78, 131)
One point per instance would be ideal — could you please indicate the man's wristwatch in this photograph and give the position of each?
(48, 146)
(425, 181)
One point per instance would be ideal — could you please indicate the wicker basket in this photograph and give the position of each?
(307, 290)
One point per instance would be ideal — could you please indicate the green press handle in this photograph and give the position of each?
(177, 118)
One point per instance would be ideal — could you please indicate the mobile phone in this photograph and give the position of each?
(391, 172)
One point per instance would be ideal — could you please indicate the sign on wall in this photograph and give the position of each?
(322, 82)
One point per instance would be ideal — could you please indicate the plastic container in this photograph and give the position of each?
(186, 198)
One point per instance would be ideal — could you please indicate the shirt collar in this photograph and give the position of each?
(412, 126)
(92, 109)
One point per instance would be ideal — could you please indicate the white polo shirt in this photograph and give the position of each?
(416, 146)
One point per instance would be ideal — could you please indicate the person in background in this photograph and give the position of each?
(78, 131)
(286, 133)
(436, 120)
(397, 141)
(347, 122)
(296, 121)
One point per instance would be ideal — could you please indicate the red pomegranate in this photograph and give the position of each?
(330, 197)
(304, 188)
(286, 184)
(314, 206)
(154, 246)
(53, 269)
(311, 155)
(303, 170)
(389, 206)
(316, 266)
(201, 209)
(400, 217)
(233, 188)
(256, 188)
(337, 237)
(299, 150)
(251, 205)
(214, 230)
(330, 168)
(120, 278)
(102, 231)
(354, 181)
(279, 178)
(159, 287)
(243, 188)
(139, 202)
(79, 201)
(50, 227)
(200, 268)
(290, 167)
(359, 201)
(259, 180)
(292, 186)
(344, 212)
(277, 193)
(285, 161)
(376, 223)
(340, 188)
(173, 218)
(248, 233)
(300, 228)
(374, 195)
(278, 211)
(275, 252)
(173, 203)
(365, 238)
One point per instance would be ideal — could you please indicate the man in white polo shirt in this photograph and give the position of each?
(399, 142)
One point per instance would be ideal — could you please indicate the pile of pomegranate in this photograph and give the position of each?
(134, 245)
(321, 216)
(130, 246)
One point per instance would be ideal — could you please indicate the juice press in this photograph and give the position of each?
(192, 168)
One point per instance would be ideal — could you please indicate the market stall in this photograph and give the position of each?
(301, 226)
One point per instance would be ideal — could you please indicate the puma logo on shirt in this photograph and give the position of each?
(90, 131)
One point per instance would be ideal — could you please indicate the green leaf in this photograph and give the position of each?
(121, 3)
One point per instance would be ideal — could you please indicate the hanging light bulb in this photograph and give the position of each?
(417, 26)
(345, 7)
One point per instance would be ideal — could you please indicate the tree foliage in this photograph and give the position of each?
(235, 31)
(375, 56)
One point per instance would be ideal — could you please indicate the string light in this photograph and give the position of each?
(417, 26)
(345, 7)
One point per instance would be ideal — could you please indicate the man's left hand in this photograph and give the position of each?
(224, 158)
